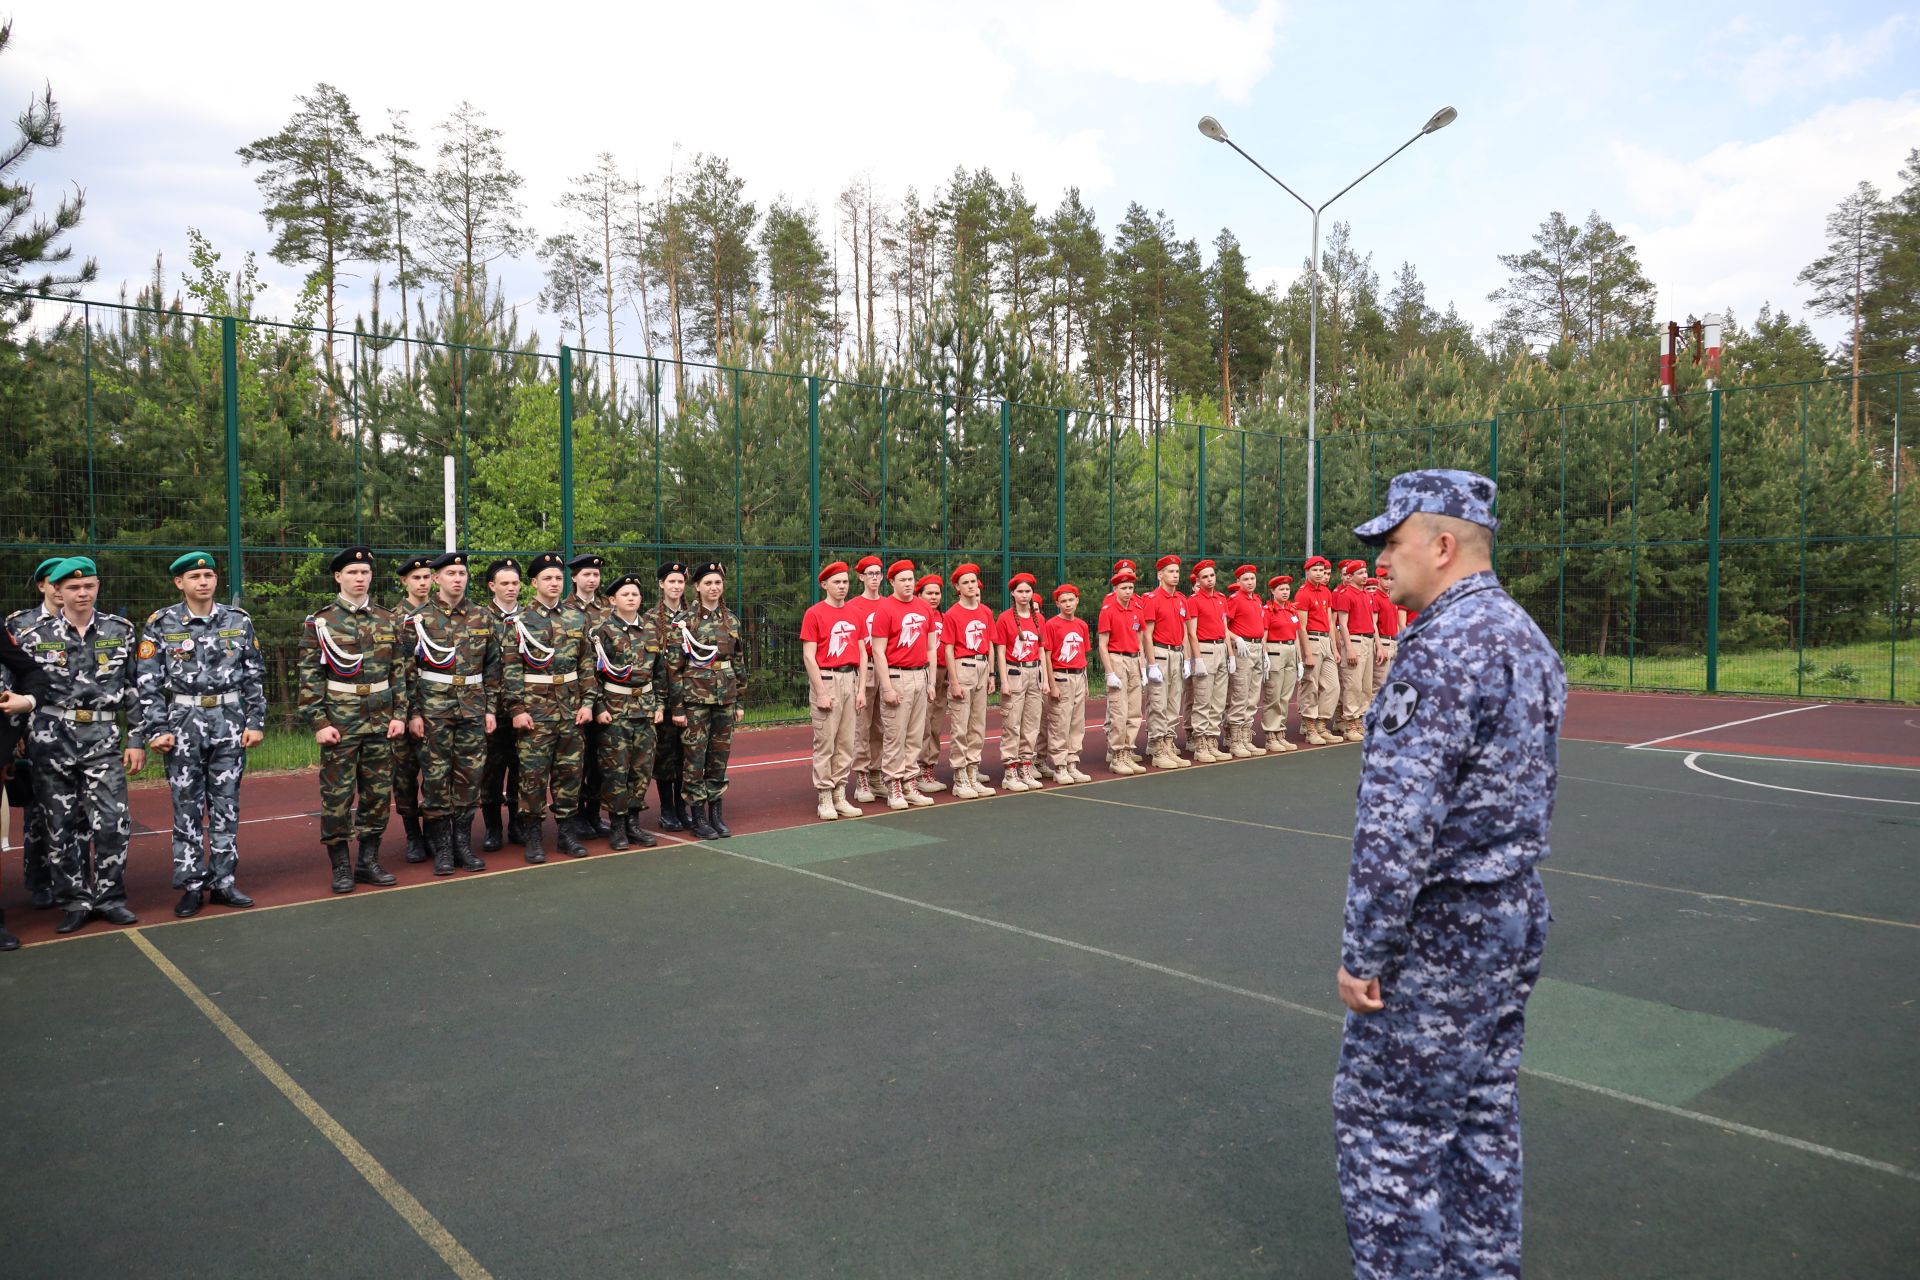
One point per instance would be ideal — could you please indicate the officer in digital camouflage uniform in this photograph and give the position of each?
(704, 665)
(500, 779)
(1445, 918)
(37, 872)
(79, 769)
(22, 686)
(551, 697)
(204, 702)
(453, 702)
(628, 664)
(667, 613)
(353, 679)
(416, 582)
(586, 570)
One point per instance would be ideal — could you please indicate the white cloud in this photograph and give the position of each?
(1794, 65)
(1146, 41)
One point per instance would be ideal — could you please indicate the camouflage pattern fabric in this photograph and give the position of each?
(669, 758)
(364, 649)
(708, 680)
(453, 683)
(215, 659)
(629, 656)
(78, 776)
(549, 644)
(407, 754)
(36, 871)
(500, 775)
(592, 783)
(1444, 907)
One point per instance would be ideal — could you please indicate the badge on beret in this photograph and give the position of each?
(1397, 704)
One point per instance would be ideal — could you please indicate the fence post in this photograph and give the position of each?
(1006, 490)
(1893, 601)
(1315, 465)
(813, 477)
(1060, 495)
(230, 399)
(1493, 474)
(566, 451)
(1200, 491)
(1713, 544)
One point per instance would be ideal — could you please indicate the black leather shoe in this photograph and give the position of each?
(190, 903)
(42, 899)
(231, 897)
(713, 820)
(490, 842)
(593, 824)
(75, 917)
(7, 941)
(116, 914)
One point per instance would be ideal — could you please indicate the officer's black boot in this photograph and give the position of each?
(713, 820)
(440, 837)
(490, 816)
(571, 828)
(463, 853)
(369, 870)
(618, 838)
(701, 829)
(529, 826)
(637, 833)
(670, 807)
(342, 871)
(418, 849)
(7, 941)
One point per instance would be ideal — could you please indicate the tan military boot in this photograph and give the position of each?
(1310, 732)
(1354, 732)
(980, 785)
(927, 783)
(1243, 748)
(963, 785)
(915, 797)
(1011, 779)
(826, 811)
(1163, 757)
(846, 808)
(896, 794)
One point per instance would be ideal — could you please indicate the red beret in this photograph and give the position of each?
(1314, 560)
(1379, 565)
(866, 563)
(1127, 566)
(1277, 579)
(1123, 575)
(1244, 570)
(1065, 589)
(1371, 582)
(1198, 565)
(897, 568)
(1348, 566)
(1019, 578)
(964, 570)
(827, 571)
(934, 578)
(1164, 561)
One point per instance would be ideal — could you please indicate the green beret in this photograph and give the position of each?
(41, 570)
(73, 567)
(189, 562)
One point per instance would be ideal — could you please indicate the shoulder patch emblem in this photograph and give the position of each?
(147, 649)
(1398, 701)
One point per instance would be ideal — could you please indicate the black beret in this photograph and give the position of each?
(411, 563)
(352, 555)
(701, 571)
(500, 566)
(585, 560)
(544, 561)
(672, 566)
(627, 580)
(449, 559)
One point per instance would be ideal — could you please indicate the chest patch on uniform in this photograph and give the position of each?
(147, 649)
(1398, 701)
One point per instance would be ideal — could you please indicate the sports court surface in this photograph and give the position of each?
(1083, 1032)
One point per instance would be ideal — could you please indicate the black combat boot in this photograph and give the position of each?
(670, 807)
(7, 941)
(342, 872)
(680, 806)
(637, 833)
(463, 853)
(591, 823)
(516, 833)
(571, 828)
(713, 820)
(490, 816)
(530, 827)
(440, 837)
(369, 870)
(418, 846)
(618, 839)
(698, 823)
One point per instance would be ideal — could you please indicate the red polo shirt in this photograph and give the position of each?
(1354, 602)
(904, 625)
(868, 611)
(1246, 616)
(1316, 603)
(837, 633)
(1166, 613)
(1066, 640)
(1121, 627)
(1019, 636)
(1386, 614)
(1209, 609)
(969, 629)
(1282, 622)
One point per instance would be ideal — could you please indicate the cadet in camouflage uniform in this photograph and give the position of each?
(36, 870)
(1445, 918)
(587, 598)
(500, 780)
(668, 612)
(416, 581)
(551, 697)
(203, 692)
(353, 679)
(453, 703)
(79, 770)
(627, 663)
(21, 673)
(704, 665)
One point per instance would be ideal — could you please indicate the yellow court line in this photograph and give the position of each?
(1544, 868)
(438, 1238)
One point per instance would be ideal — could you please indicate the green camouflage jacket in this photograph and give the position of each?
(454, 671)
(353, 668)
(704, 660)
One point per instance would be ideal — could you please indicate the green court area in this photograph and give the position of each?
(1083, 1032)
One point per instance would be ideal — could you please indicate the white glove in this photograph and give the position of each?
(1154, 674)
(1231, 667)
(1199, 666)
(1186, 668)
(1300, 671)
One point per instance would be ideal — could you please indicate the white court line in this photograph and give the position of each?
(1692, 733)
(1326, 1015)
(1830, 795)
(1734, 755)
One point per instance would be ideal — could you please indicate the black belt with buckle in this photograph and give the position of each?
(834, 671)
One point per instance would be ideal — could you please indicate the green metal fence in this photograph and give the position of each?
(1742, 540)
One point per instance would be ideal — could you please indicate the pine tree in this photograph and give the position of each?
(395, 197)
(798, 276)
(32, 259)
(473, 206)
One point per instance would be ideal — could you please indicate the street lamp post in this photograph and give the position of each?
(1212, 129)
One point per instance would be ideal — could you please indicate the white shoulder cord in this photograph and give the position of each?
(528, 645)
(332, 646)
(700, 653)
(436, 654)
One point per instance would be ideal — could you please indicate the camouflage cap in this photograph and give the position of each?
(1460, 494)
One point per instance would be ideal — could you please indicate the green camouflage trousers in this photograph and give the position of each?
(707, 742)
(450, 763)
(552, 757)
(406, 777)
(360, 765)
(500, 779)
(626, 761)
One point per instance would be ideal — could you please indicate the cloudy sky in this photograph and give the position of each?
(1718, 144)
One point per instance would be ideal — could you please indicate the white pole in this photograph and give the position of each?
(447, 486)
(1313, 372)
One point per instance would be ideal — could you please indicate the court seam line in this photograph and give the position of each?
(402, 1201)
(1544, 868)
(1324, 1015)
(1688, 733)
(1693, 757)
(1710, 795)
